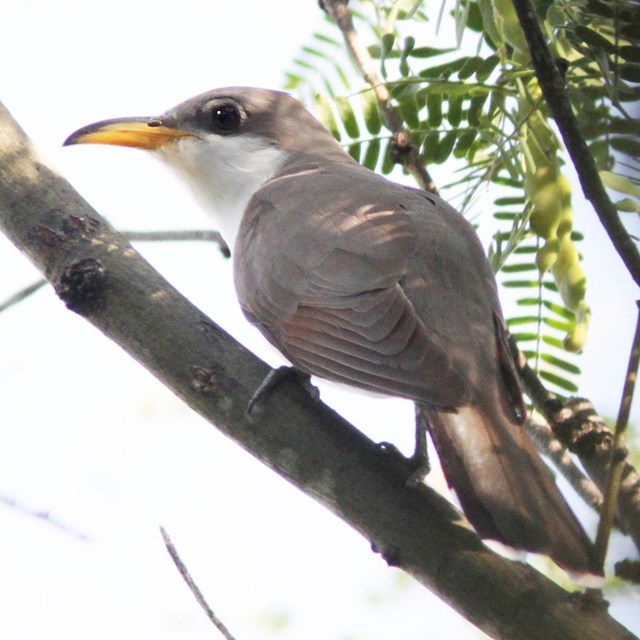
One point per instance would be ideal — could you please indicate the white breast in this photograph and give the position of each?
(224, 172)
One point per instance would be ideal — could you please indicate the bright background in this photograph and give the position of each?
(91, 438)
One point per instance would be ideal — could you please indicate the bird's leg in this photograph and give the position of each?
(420, 458)
(273, 379)
(419, 461)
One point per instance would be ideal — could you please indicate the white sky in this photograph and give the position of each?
(87, 435)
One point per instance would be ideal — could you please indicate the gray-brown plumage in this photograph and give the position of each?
(366, 282)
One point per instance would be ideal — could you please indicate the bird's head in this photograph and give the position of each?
(224, 143)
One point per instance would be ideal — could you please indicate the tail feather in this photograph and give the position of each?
(505, 489)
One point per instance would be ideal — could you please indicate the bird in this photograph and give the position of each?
(363, 281)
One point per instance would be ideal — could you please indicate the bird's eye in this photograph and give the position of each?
(225, 117)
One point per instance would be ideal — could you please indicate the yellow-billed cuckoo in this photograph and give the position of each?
(366, 282)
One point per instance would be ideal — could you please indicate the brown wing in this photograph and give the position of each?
(363, 291)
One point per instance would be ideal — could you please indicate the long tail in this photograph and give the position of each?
(505, 489)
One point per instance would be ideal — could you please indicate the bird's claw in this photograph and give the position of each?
(273, 379)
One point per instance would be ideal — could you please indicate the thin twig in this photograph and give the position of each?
(184, 572)
(42, 515)
(206, 235)
(404, 148)
(552, 83)
(547, 443)
(22, 294)
(618, 453)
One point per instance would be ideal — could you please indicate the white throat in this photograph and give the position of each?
(224, 172)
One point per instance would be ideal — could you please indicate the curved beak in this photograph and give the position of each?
(140, 133)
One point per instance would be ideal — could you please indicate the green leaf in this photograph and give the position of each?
(387, 160)
(627, 205)
(387, 42)
(409, 44)
(560, 363)
(454, 112)
(508, 182)
(520, 284)
(430, 146)
(371, 112)
(630, 71)
(475, 109)
(565, 327)
(525, 336)
(486, 67)
(464, 142)
(626, 145)
(619, 183)
(470, 67)
(558, 309)
(314, 52)
(554, 342)
(304, 64)
(408, 109)
(428, 52)
(292, 81)
(354, 150)
(519, 267)
(528, 302)
(629, 53)
(322, 37)
(434, 109)
(375, 51)
(513, 322)
(445, 147)
(508, 201)
(594, 39)
(342, 75)
(444, 70)
(559, 381)
(372, 154)
(620, 125)
(556, 17)
(347, 116)
(324, 105)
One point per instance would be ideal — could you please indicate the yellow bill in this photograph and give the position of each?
(140, 133)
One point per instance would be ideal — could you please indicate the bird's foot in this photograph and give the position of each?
(418, 462)
(273, 379)
(420, 457)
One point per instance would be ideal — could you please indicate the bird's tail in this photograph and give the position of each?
(505, 489)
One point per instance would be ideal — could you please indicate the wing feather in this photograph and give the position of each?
(329, 286)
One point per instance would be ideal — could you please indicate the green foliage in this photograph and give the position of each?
(482, 114)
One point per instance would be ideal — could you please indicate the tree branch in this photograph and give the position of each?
(576, 424)
(98, 275)
(404, 148)
(546, 441)
(551, 82)
(193, 587)
(619, 453)
(206, 235)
